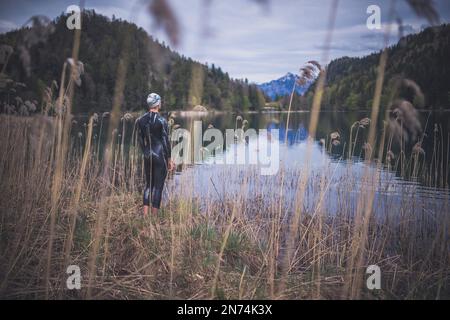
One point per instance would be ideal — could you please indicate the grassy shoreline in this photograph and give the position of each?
(198, 248)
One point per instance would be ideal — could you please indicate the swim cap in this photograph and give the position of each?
(153, 100)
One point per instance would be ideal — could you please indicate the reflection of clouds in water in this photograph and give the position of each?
(243, 185)
(251, 148)
(343, 181)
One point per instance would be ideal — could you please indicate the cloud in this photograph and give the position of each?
(6, 26)
(247, 39)
(111, 11)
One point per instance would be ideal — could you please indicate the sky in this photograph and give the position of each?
(254, 39)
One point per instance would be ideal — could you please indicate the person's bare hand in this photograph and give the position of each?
(171, 165)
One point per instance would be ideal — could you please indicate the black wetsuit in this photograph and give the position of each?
(153, 136)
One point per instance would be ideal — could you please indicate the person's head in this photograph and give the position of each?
(154, 102)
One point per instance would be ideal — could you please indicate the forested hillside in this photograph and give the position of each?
(423, 58)
(182, 82)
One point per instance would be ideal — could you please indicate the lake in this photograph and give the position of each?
(331, 168)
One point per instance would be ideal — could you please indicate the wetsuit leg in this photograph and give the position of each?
(159, 172)
(148, 182)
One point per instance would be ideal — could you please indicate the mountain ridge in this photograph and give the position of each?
(283, 86)
(422, 57)
(152, 67)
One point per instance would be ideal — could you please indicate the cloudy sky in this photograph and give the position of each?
(248, 38)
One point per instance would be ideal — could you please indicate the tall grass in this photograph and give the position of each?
(303, 177)
(60, 206)
(218, 245)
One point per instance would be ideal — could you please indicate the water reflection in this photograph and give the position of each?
(329, 163)
(342, 181)
(341, 123)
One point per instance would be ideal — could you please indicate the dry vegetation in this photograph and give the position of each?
(62, 204)
(198, 247)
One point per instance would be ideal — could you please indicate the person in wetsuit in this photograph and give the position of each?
(153, 136)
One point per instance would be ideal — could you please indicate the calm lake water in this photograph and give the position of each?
(435, 134)
(221, 181)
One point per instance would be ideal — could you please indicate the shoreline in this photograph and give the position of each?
(219, 112)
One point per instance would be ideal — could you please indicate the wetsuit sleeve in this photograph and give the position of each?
(166, 140)
(140, 134)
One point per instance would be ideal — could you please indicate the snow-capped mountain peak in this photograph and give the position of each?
(283, 86)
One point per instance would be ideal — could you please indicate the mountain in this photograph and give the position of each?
(422, 58)
(283, 86)
(40, 52)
